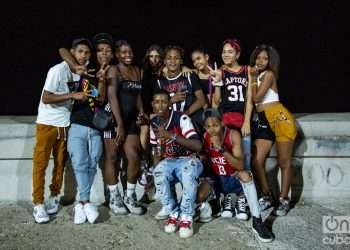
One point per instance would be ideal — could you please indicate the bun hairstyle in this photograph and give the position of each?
(234, 43)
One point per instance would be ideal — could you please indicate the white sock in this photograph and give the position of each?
(130, 189)
(113, 188)
(252, 197)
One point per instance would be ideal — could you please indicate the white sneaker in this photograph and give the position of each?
(132, 204)
(52, 205)
(91, 212)
(163, 213)
(79, 214)
(171, 223)
(227, 206)
(185, 226)
(40, 214)
(205, 212)
(116, 204)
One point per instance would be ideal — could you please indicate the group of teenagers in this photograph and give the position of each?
(189, 126)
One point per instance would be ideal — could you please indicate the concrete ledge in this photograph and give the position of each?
(321, 158)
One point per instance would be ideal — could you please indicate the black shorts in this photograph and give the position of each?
(261, 128)
(130, 129)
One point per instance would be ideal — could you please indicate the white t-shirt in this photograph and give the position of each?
(57, 114)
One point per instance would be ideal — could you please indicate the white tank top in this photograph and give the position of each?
(271, 95)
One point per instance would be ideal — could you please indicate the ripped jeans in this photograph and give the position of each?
(85, 150)
(186, 170)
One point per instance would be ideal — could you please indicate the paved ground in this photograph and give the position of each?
(301, 229)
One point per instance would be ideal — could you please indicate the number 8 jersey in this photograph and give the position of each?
(234, 90)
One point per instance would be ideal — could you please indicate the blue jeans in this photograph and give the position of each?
(247, 151)
(226, 184)
(85, 150)
(187, 171)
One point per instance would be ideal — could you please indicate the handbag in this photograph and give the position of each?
(102, 119)
(233, 120)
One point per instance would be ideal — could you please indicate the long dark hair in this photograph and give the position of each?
(274, 58)
(145, 61)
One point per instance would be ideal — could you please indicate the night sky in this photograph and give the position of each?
(303, 34)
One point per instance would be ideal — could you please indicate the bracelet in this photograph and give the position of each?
(254, 83)
(218, 84)
(173, 137)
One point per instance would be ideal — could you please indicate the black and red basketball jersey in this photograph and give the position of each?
(179, 124)
(219, 164)
(234, 90)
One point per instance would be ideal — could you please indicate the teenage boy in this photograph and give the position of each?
(52, 125)
(180, 142)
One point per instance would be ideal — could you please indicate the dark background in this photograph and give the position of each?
(306, 36)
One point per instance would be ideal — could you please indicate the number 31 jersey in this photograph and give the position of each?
(234, 90)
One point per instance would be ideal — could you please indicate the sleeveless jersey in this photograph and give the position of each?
(234, 90)
(219, 164)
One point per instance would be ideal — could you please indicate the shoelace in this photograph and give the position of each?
(41, 214)
(241, 204)
(284, 203)
(264, 200)
(171, 220)
(185, 223)
(132, 201)
(116, 198)
(228, 202)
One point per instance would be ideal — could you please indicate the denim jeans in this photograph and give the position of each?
(247, 151)
(187, 171)
(85, 150)
(226, 184)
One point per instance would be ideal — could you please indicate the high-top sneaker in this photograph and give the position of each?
(241, 208)
(132, 205)
(261, 231)
(116, 203)
(227, 207)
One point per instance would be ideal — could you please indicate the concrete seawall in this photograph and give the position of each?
(321, 158)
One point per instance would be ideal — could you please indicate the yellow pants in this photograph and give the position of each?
(282, 122)
(48, 138)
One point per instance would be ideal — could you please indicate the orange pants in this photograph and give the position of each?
(48, 138)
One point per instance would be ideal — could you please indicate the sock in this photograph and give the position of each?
(113, 188)
(252, 197)
(130, 189)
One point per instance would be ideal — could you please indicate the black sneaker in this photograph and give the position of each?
(228, 210)
(215, 207)
(241, 208)
(261, 231)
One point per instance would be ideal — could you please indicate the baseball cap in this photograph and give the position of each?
(103, 38)
(84, 41)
